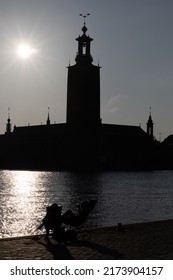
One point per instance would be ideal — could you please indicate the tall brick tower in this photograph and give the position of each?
(83, 106)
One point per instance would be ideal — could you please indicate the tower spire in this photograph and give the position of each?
(48, 118)
(150, 125)
(8, 125)
(8, 112)
(84, 41)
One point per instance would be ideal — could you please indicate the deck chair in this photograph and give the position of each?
(77, 221)
(69, 218)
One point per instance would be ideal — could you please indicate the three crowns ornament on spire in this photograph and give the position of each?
(84, 16)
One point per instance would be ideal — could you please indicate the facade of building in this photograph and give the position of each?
(83, 142)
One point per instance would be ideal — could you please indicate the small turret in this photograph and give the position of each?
(150, 125)
(8, 125)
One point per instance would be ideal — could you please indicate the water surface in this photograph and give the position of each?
(126, 197)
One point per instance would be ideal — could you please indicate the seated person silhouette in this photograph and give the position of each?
(53, 219)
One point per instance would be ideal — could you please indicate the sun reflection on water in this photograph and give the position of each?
(24, 196)
(23, 203)
(23, 182)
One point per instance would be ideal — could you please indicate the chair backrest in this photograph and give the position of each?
(85, 210)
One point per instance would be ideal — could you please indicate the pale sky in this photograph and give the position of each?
(133, 43)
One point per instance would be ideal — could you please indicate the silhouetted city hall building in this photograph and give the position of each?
(83, 142)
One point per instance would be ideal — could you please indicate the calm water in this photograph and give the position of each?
(126, 197)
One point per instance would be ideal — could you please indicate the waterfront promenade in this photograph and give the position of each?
(152, 240)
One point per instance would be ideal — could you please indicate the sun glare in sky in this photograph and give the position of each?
(24, 51)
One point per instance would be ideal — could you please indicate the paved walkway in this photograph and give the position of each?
(139, 241)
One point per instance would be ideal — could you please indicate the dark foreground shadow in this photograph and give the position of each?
(99, 248)
(59, 251)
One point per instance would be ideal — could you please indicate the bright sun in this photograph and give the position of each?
(24, 51)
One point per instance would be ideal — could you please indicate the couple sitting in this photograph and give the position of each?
(54, 219)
